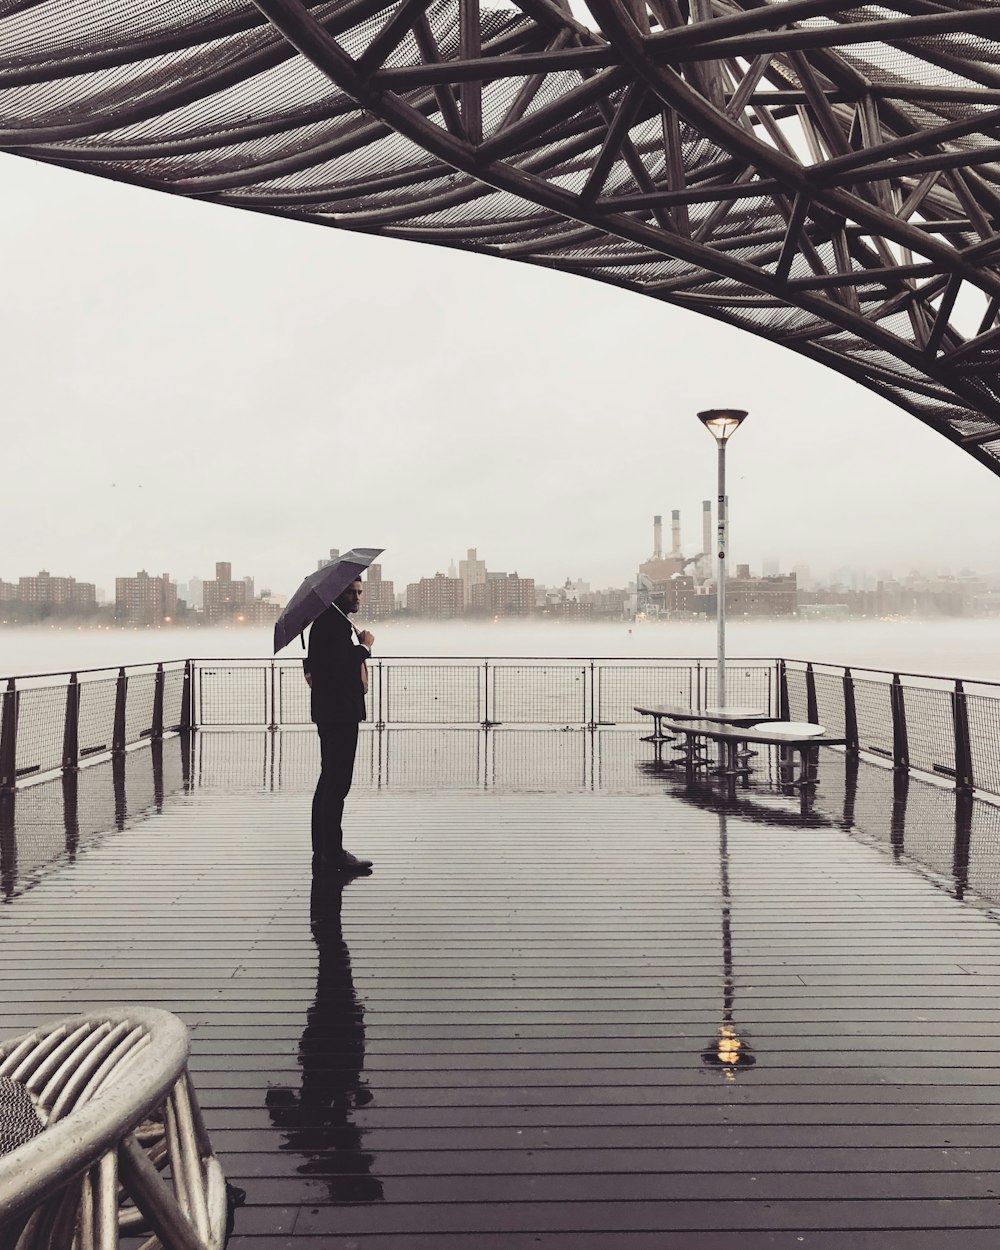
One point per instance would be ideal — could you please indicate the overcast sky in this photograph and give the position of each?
(184, 383)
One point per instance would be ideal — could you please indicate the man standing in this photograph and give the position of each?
(333, 670)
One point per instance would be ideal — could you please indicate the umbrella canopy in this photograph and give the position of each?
(319, 590)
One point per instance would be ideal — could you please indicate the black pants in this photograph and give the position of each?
(338, 744)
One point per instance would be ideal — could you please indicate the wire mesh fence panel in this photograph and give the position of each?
(553, 694)
(173, 696)
(432, 694)
(233, 694)
(927, 829)
(39, 834)
(298, 760)
(873, 803)
(620, 689)
(830, 702)
(292, 695)
(873, 706)
(623, 763)
(432, 758)
(140, 785)
(293, 698)
(984, 737)
(982, 870)
(233, 759)
(539, 759)
(798, 699)
(747, 685)
(139, 706)
(930, 729)
(97, 715)
(41, 717)
(831, 795)
(365, 759)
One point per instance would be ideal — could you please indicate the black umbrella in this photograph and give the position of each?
(318, 592)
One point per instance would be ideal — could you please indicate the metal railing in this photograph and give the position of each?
(578, 692)
(944, 726)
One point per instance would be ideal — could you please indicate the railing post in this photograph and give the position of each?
(71, 728)
(8, 740)
(187, 702)
(963, 743)
(900, 745)
(782, 690)
(486, 695)
(812, 708)
(121, 695)
(380, 723)
(850, 714)
(156, 729)
(593, 699)
(273, 726)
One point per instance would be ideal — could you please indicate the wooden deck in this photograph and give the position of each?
(507, 1036)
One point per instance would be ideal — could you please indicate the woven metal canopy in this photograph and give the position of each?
(824, 175)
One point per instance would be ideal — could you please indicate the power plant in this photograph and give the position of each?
(682, 586)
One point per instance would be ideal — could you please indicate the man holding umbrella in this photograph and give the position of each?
(336, 673)
(333, 670)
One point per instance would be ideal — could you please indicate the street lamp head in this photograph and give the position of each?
(721, 423)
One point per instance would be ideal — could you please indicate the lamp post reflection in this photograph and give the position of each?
(728, 1051)
(318, 1116)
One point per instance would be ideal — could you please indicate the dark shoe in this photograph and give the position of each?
(344, 861)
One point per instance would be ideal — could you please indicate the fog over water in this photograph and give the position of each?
(949, 648)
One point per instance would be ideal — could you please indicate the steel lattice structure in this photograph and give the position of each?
(824, 175)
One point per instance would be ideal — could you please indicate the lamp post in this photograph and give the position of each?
(721, 423)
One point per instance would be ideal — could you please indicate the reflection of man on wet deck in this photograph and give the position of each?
(318, 1118)
(334, 669)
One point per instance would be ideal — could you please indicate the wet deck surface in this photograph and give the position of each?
(508, 1036)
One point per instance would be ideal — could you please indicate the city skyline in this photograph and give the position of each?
(843, 574)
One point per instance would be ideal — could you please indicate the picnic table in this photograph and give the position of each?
(661, 712)
(732, 730)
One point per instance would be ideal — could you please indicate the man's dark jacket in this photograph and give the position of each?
(334, 660)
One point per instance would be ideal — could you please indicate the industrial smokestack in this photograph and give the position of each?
(657, 537)
(675, 533)
(706, 531)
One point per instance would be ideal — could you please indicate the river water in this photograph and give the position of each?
(946, 648)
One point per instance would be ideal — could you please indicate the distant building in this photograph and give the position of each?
(56, 594)
(224, 599)
(379, 599)
(503, 595)
(437, 596)
(471, 572)
(145, 600)
(761, 596)
(323, 562)
(258, 612)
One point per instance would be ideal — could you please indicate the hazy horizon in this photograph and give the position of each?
(956, 647)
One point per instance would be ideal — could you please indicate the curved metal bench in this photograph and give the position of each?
(117, 1146)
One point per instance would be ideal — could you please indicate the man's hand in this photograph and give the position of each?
(309, 679)
(366, 639)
